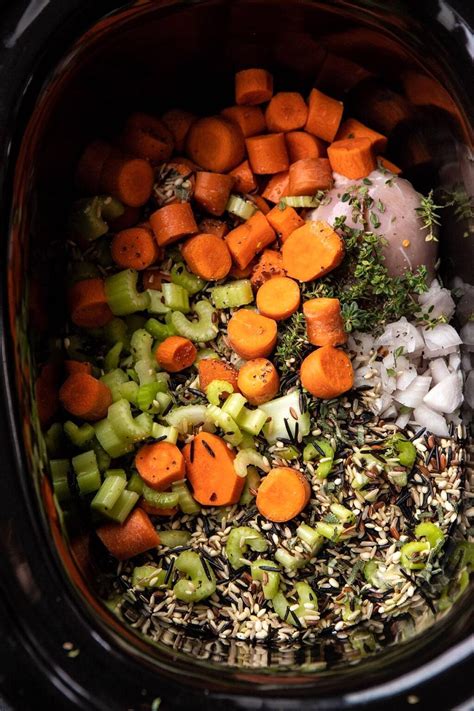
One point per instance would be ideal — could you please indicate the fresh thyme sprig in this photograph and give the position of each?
(428, 212)
(292, 344)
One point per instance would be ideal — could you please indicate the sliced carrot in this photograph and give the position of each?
(324, 115)
(77, 366)
(207, 256)
(351, 128)
(250, 119)
(312, 251)
(129, 218)
(352, 157)
(267, 153)
(253, 86)
(388, 165)
(284, 221)
(88, 304)
(244, 178)
(286, 111)
(86, 397)
(301, 144)
(134, 248)
(210, 369)
(130, 180)
(176, 353)
(258, 381)
(155, 510)
(327, 372)
(248, 239)
(178, 122)
(251, 335)
(277, 187)
(216, 144)
(172, 222)
(131, 538)
(278, 298)
(283, 494)
(210, 471)
(147, 137)
(160, 464)
(260, 203)
(324, 323)
(90, 166)
(270, 265)
(212, 191)
(211, 226)
(309, 175)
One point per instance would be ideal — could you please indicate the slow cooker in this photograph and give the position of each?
(69, 71)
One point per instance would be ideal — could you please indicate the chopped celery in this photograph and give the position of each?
(288, 452)
(321, 450)
(157, 304)
(108, 494)
(288, 561)
(414, 555)
(295, 615)
(54, 439)
(185, 500)
(176, 297)
(251, 421)
(135, 483)
(158, 330)
(146, 395)
(239, 540)
(216, 388)
(116, 472)
(59, 474)
(87, 216)
(202, 330)
(343, 514)
(114, 380)
(116, 331)
(190, 282)
(79, 436)
(248, 442)
(160, 499)
(285, 413)
(128, 391)
(112, 358)
(199, 582)
(405, 450)
(103, 458)
(269, 578)
(125, 426)
(431, 532)
(186, 417)
(166, 434)
(114, 445)
(141, 344)
(240, 208)
(252, 482)
(169, 323)
(174, 538)
(310, 537)
(122, 295)
(124, 505)
(246, 457)
(229, 296)
(147, 576)
(205, 353)
(234, 405)
(300, 201)
(328, 530)
(146, 370)
(87, 472)
(222, 419)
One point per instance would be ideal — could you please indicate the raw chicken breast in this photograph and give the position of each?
(400, 224)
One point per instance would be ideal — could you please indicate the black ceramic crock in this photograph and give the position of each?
(71, 70)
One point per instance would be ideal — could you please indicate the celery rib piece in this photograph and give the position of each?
(122, 295)
(201, 330)
(229, 296)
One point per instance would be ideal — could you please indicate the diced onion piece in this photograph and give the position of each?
(433, 421)
(414, 393)
(406, 377)
(467, 335)
(446, 396)
(439, 370)
(441, 337)
(401, 334)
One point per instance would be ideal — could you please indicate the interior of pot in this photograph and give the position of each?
(156, 55)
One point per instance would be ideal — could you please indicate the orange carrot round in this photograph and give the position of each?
(283, 494)
(160, 464)
(351, 128)
(85, 397)
(312, 251)
(216, 144)
(210, 471)
(134, 248)
(248, 239)
(327, 372)
(137, 535)
(130, 180)
(172, 222)
(324, 323)
(77, 366)
(258, 381)
(267, 153)
(90, 166)
(178, 122)
(212, 191)
(309, 175)
(88, 304)
(212, 226)
(278, 298)
(210, 369)
(176, 353)
(244, 179)
(251, 335)
(352, 157)
(269, 265)
(250, 119)
(208, 256)
(286, 111)
(285, 221)
(147, 137)
(324, 115)
(301, 144)
(253, 86)
(277, 187)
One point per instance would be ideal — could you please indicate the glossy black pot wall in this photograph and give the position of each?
(71, 71)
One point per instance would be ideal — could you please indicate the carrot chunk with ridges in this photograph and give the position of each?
(324, 322)
(248, 239)
(352, 157)
(324, 115)
(160, 464)
(86, 397)
(285, 221)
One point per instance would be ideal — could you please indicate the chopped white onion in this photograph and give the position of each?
(406, 377)
(467, 335)
(446, 396)
(437, 302)
(403, 419)
(442, 337)
(413, 395)
(454, 361)
(433, 421)
(439, 370)
(401, 334)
